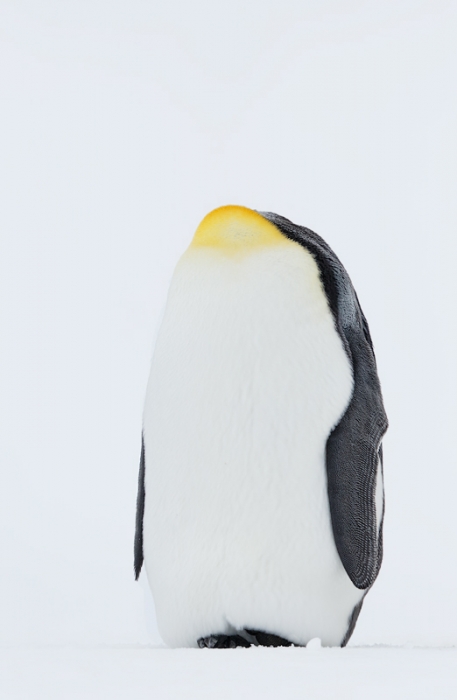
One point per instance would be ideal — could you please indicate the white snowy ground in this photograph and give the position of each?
(137, 673)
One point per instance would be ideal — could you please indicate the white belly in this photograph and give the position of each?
(248, 378)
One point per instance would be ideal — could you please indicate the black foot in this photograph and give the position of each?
(269, 640)
(222, 641)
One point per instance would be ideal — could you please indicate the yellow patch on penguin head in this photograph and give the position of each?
(233, 229)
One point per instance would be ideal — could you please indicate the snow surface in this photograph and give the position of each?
(160, 673)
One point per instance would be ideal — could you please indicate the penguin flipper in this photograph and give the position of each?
(354, 465)
(353, 450)
(138, 546)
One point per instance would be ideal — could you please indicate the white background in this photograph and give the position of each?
(122, 123)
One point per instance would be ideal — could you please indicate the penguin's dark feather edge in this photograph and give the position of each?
(353, 448)
(138, 546)
(352, 622)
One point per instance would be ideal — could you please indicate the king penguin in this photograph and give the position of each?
(260, 501)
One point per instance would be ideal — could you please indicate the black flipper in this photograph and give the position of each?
(353, 448)
(138, 546)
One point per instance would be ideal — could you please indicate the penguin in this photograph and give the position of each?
(260, 494)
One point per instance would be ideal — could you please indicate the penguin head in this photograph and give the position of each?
(235, 230)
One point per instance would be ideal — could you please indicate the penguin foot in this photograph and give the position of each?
(265, 639)
(222, 641)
